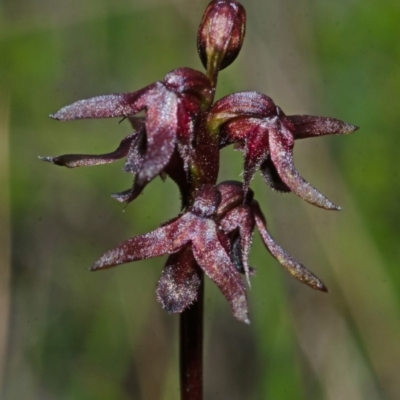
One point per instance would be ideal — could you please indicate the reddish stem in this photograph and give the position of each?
(191, 349)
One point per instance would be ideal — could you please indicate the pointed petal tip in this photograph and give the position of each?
(119, 197)
(317, 284)
(240, 310)
(350, 129)
(48, 159)
(319, 200)
(98, 266)
(334, 207)
(56, 116)
(242, 316)
(323, 288)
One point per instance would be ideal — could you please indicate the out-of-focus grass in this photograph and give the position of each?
(74, 334)
(5, 235)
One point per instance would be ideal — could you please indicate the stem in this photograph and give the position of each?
(191, 349)
(203, 170)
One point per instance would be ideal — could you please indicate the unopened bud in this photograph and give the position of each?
(221, 34)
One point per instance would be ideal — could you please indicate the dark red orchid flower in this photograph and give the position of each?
(266, 136)
(201, 237)
(193, 240)
(172, 108)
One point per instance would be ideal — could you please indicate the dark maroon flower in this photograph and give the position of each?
(194, 240)
(266, 136)
(214, 234)
(172, 108)
(221, 34)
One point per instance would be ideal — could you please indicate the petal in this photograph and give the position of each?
(310, 126)
(237, 130)
(81, 160)
(134, 159)
(180, 281)
(288, 262)
(188, 111)
(241, 104)
(189, 81)
(106, 106)
(253, 132)
(281, 148)
(128, 195)
(206, 202)
(174, 169)
(271, 177)
(241, 218)
(256, 151)
(164, 240)
(215, 262)
(231, 196)
(161, 130)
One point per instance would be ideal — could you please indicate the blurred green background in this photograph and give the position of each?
(66, 333)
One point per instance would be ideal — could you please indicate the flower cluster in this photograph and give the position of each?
(180, 136)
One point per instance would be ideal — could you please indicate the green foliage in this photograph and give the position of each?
(77, 335)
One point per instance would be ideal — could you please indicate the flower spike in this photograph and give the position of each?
(180, 136)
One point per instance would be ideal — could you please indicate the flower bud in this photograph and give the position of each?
(221, 34)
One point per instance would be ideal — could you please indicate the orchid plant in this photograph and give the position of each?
(181, 136)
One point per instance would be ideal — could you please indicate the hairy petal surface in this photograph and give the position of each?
(106, 106)
(82, 160)
(241, 104)
(189, 81)
(164, 240)
(188, 111)
(215, 262)
(256, 151)
(180, 281)
(231, 196)
(310, 126)
(288, 262)
(281, 150)
(161, 128)
(241, 218)
(134, 158)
